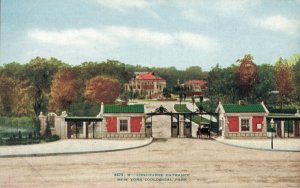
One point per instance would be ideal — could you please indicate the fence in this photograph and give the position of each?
(18, 127)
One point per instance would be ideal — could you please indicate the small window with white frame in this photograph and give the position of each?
(245, 125)
(123, 125)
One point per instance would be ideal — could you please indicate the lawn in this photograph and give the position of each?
(196, 118)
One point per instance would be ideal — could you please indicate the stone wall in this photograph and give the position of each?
(123, 135)
(245, 135)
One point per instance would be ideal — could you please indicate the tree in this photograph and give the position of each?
(25, 100)
(102, 89)
(39, 72)
(7, 94)
(265, 85)
(295, 62)
(284, 79)
(65, 89)
(247, 75)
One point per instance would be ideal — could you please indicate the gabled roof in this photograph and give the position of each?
(148, 76)
(200, 82)
(136, 108)
(244, 108)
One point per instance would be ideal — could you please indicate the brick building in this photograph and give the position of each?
(146, 83)
(243, 120)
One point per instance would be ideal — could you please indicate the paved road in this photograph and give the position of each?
(187, 163)
(71, 146)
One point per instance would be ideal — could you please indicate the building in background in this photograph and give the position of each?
(147, 84)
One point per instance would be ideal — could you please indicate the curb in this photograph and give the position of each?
(76, 153)
(252, 148)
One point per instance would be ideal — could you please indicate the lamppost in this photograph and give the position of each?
(272, 132)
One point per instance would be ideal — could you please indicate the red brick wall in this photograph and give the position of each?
(111, 124)
(135, 123)
(233, 124)
(256, 120)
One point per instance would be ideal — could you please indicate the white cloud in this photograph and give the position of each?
(280, 23)
(77, 37)
(197, 41)
(152, 38)
(111, 37)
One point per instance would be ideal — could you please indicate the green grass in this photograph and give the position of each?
(181, 108)
(196, 118)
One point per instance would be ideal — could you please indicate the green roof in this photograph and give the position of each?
(237, 108)
(136, 108)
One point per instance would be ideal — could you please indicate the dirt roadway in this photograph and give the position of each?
(196, 163)
(200, 163)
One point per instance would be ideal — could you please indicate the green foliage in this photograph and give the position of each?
(84, 108)
(30, 83)
(287, 109)
(28, 140)
(221, 84)
(266, 84)
(295, 61)
(10, 126)
(197, 118)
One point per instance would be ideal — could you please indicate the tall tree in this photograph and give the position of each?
(65, 89)
(25, 100)
(295, 62)
(7, 94)
(247, 75)
(266, 84)
(39, 72)
(284, 79)
(102, 89)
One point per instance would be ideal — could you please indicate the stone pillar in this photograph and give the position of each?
(61, 125)
(181, 127)
(84, 129)
(143, 128)
(294, 128)
(43, 123)
(226, 128)
(282, 129)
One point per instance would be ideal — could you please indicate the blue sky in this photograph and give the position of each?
(159, 33)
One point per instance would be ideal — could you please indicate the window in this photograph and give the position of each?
(245, 125)
(123, 125)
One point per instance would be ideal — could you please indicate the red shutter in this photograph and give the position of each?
(233, 124)
(257, 120)
(135, 123)
(111, 124)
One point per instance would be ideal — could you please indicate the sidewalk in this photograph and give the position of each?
(279, 144)
(72, 146)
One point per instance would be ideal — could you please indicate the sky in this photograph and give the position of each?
(160, 33)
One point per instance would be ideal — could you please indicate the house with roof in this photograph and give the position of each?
(122, 121)
(113, 122)
(146, 83)
(243, 120)
(196, 85)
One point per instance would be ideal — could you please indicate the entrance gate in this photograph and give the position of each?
(184, 118)
(82, 127)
